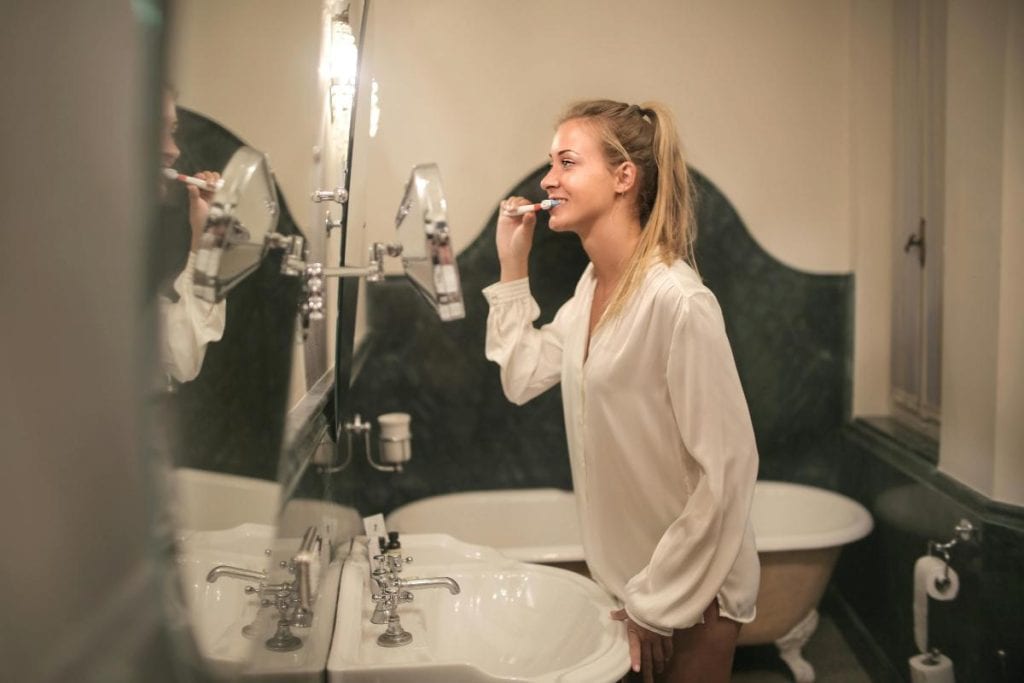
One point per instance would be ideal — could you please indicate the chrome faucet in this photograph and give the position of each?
(392, 591)
(235, 573)
(292, 599)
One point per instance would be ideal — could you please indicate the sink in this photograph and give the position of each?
(511, 621)
(219, 611)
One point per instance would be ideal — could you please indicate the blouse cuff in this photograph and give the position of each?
(501, 292)
(655, 629)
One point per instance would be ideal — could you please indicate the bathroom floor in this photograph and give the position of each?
(827, 651)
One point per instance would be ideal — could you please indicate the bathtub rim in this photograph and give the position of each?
(552, 553)
(860, 525)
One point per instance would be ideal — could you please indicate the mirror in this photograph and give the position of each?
(425, 239)
(244, 212)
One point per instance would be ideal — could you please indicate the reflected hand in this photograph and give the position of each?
(649, 652)
(514, 237)
(199, 206)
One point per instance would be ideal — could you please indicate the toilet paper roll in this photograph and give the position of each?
(929, 572)
(922, 671)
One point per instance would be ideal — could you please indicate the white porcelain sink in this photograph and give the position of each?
(229, 627)
(218, 611)
(511, 622)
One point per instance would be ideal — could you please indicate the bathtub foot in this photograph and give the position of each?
(791, 648)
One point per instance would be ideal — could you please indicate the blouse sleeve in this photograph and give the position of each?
(695, 555)
(530, 358)
(188, 325)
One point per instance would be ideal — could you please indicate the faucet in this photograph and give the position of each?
(235, 573)
(292, 599)
(393, 591)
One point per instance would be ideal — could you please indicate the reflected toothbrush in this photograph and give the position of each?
(171, 174)
(545, 205)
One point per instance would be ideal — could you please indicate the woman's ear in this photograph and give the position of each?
(625, 177)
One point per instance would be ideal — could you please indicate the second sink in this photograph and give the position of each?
(511, 621)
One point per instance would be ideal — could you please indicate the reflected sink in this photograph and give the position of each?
(511, 621)
(229, 626)
(218, 611)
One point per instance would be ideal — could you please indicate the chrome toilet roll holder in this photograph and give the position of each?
(963, 532)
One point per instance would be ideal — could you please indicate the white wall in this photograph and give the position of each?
(982, 441)
(761, 92)
(1009, 467)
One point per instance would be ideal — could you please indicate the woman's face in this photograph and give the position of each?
(579, 177)
(169, 151)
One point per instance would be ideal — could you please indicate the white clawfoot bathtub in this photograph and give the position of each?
(799, 531)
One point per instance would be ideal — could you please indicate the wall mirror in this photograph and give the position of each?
(274, 116)
(269, 115)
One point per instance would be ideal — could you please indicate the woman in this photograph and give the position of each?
(188, 324)
(661, 445)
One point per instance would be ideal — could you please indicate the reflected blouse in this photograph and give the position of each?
(661, 445)
(187, 326)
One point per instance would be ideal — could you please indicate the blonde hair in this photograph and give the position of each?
(646, 135)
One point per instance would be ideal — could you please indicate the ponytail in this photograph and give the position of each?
(647, 137)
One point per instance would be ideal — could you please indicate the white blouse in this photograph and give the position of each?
(187, 326)
(661, 445)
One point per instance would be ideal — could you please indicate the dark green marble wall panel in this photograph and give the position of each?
(913, 503)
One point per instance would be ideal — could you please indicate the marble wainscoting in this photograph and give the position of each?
(982, 630)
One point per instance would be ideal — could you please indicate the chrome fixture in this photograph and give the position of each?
(242, 229)
(292, 599)
(392, 591)
(331, 224)
(235, 573)
(338, 194)
(963, 532)
(395, 442)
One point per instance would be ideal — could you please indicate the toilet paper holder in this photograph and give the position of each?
(963, 532)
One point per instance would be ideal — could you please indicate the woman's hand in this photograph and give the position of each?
(649, 652)
(514, 238)
(199, 206)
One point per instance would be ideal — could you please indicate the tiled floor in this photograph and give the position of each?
(827, 651)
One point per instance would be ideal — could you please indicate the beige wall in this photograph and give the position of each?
(982, 442)
(761, 91)
(1009, 465)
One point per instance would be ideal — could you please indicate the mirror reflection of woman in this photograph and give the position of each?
(188, 323)
(660, 440)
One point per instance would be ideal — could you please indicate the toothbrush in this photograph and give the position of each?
(533, 208)
(171, 174)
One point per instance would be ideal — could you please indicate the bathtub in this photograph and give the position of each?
(799, 532)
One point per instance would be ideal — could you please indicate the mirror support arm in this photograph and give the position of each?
(294, 263)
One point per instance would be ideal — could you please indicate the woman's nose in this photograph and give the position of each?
(170, 151)
(548, 181)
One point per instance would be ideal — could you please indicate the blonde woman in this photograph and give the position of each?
(662, 450)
